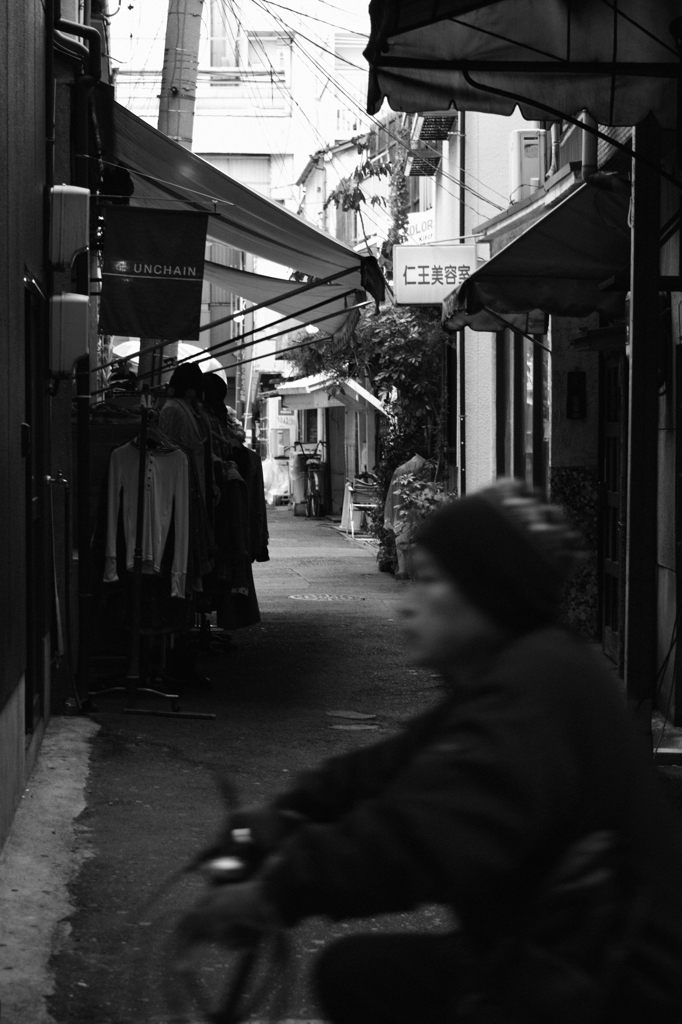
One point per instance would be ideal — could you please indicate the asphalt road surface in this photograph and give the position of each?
(329, 644)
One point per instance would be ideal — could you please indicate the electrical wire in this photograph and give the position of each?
(288, 95)
(323, 140)
(573, 120)
(219, 347)
(171, 184)
(140, 72)
(322, 21)
(335, 7)
(309, 286)
(321, 70)
(406, 147)
(351, 99)
(249, 83)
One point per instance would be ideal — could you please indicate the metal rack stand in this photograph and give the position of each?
(132, 686)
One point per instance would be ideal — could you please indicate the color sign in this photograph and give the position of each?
(421, 227)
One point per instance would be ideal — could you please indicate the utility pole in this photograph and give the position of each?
(176, 113)
(180, 69)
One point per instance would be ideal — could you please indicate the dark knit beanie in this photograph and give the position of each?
(215, 389)
(509, 551)
(186, 376)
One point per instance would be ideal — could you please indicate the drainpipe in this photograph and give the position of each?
(92, 54)
(462, 346)
(589, 147)
(84, 85)
(49, 138)
(555, 135)
(92, 58)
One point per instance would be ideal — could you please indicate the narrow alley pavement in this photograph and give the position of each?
(118, 803)
(329, 642)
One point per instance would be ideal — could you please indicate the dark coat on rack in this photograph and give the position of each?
(250, 467)
(232, 587)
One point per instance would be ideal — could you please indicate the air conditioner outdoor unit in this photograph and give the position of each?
(70, 224)
(69, 331)
(527, 147)
(422, 162)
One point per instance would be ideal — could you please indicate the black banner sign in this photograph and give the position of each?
(153, 272)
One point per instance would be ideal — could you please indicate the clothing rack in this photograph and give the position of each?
(132, 687)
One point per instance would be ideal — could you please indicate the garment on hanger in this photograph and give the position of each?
(166, 499)
(230, 587)
(249, 464)
(202, 548)
(232, 531)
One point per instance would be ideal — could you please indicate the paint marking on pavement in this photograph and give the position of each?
(278, 551)
(325, 597)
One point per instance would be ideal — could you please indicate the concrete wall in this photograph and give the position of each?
(666, 531)
(12, 769)
(22, 176)
(479, 409)
(487, 175)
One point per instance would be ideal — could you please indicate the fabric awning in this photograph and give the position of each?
(318, 382)
(556, 266)
(239, 217)
(330, 301)
(617, 60)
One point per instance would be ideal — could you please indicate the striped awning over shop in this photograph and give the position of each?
(618, 60)
(558, 266)
(162, 171)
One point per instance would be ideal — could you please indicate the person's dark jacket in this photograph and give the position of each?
(475, 802)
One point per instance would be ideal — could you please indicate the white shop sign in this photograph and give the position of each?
(424, 275)
(420, 228)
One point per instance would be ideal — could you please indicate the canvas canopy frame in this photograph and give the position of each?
(615, 59)
(557, 266)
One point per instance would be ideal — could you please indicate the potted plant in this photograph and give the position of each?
(419, 498)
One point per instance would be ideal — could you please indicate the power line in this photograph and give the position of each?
(312, 17)
(286, 92)
(460, 184)
(346, 95)
(284, 27)
(219, 347)
(249, 83)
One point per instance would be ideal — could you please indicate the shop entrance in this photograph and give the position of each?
(612, 491)
(35, 462)
(335, 431)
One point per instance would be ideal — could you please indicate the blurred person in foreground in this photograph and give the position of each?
(522, 802)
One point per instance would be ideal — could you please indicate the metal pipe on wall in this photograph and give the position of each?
(641, 543)
(461, 334)
(589, 145)
(84, 86)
